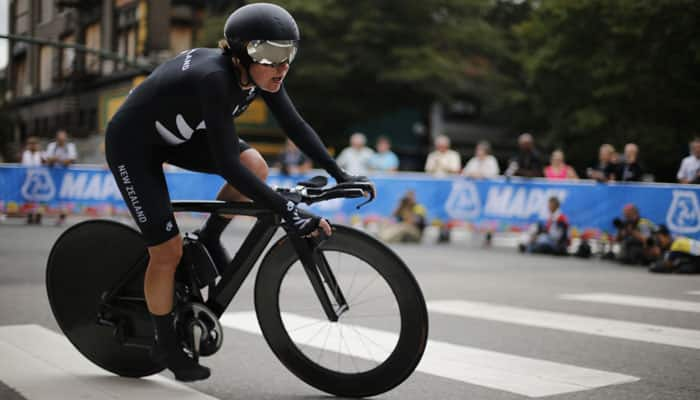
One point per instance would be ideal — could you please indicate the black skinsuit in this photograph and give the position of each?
(182, 114)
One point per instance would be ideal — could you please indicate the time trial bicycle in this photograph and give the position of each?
(343, 313)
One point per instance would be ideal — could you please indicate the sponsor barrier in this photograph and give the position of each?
(497, 204)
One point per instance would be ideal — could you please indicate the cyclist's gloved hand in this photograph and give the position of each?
(300, 222)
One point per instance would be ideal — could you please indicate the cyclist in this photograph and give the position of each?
(182, 114)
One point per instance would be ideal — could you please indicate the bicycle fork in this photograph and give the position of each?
(321, 277)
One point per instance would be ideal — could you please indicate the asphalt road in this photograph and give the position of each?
(502, 326)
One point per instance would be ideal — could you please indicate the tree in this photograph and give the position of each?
(360, 59)
(601, 71)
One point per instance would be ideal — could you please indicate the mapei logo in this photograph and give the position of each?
(38, 185)
(463, 201)
(506, 201)
(684, 213)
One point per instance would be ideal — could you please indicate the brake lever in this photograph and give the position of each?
(364, 203)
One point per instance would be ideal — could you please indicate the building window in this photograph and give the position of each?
(92, 119)
(122, 3)
(126, 44)
(45, 10)
(22, 6)
(45, 63)
(22, 16)
(180, 38)
(20, 67)
(131, 44)
(44, 126)
(68, 57)
(92, 41)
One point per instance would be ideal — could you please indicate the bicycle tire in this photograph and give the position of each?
(86, 261)
(411, 304)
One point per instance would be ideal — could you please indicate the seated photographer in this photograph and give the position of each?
(680, 255)
(410, 217)
(633, 234)
(552, 237)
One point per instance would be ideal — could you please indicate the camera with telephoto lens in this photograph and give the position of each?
(621, 224)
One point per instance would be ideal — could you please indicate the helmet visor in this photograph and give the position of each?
(272, 52)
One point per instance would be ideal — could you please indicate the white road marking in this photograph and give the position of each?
(637, 301)
(43, 365)
(521, 375)
(570, 322)
(694, 292)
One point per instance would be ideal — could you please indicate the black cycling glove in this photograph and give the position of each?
(300, 222)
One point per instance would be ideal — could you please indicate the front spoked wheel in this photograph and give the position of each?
(379, 337)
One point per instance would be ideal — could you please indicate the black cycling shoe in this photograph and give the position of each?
(168, 353)
(183, 367)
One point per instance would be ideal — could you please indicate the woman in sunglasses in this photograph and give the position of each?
(182, 114)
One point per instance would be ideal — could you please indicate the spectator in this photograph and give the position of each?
(32, 157)
(552, 237)
(605, 166)
(443, 161)
(633, 234)
(629, 169)
(61, 152)
(689, 172)
(355, 159)
(527, 162)
(558, 169)
(410, 218)
(483, 164)
(384, 160)
(679, 255)
(292, 161)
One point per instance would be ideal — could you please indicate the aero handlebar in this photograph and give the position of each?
(312, 191)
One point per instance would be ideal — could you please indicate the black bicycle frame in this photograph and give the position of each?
(221, 294)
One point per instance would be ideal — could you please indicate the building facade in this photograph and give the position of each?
(50, 88)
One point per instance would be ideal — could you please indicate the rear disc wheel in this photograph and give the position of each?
(85, 263)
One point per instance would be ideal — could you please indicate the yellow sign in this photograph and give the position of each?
(255, 114)
(143, 28)
(113, 105)
(137, 80)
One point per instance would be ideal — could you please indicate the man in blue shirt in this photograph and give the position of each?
(384, 160)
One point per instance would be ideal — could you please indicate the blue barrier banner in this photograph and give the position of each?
(495, 204)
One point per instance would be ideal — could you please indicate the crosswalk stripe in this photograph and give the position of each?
(569, 322)
(43, 365)
(637, 301)
(695, 292)
(520, 375)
